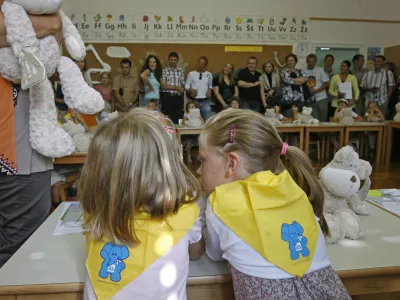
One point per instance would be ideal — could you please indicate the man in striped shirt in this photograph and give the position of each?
(378, 85)
(172, 89)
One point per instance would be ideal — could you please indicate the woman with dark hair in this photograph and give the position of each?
(151, 77)
(225, 88)
(344, 76)
(292, 85)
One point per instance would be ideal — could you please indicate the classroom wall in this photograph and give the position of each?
(366, 34)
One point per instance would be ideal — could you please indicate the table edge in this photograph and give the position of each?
(77, 287)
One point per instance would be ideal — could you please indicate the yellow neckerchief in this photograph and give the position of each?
(273, 215)
(111, 267)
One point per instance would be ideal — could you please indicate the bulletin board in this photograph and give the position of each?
(188, 53)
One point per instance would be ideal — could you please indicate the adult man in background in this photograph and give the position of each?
(199, 85)
(320, 101)
(172, 89)
(329, 60)
(378, 85)
(125, 87)
(359, 71)
(251, 90)
(25, 194)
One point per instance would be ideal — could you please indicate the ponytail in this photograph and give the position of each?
(302, 172)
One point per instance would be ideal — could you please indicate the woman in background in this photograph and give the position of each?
(105, 89)
(292, 85)
(225, 88)
(342, 77)
(270, 78)
(150, 78)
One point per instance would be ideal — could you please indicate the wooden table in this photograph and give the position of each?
(323, 127)
(51, 267)
(366, 127)
(77, 158)
(293, 128)
(389, 139)
(184, 130)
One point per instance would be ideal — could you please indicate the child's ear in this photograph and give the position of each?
(232, 166)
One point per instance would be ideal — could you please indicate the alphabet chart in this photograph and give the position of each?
(153, 27)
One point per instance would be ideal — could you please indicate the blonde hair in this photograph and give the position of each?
(132, 166)
(274, 70)
(104, 73)
(260, 145)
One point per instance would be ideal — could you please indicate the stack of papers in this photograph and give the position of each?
(389, 200)
(71, 220)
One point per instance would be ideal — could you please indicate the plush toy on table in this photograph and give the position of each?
(270, 114)
(306, 117)
(30, 62)
(341, 180)
(193, 118)
(397, 116)
(79, 135)
(346, 116)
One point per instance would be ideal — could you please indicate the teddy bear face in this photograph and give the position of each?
(270, 113)
(307, 111)
(339, 182)
(346, 112)
(39, 7)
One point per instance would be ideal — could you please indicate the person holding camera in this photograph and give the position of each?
(125, 87)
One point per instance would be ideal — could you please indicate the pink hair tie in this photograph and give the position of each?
(285, 146)
(231, 134)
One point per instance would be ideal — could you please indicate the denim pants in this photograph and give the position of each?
(205, 109)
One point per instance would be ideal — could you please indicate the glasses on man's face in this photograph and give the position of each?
(200, 76)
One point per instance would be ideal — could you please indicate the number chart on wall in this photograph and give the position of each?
(208, 28)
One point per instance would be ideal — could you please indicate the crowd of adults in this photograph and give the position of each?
(312, 86)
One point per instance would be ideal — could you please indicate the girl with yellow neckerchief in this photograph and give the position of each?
(139, 205)
(263, 210)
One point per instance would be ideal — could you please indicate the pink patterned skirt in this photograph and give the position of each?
(323, 284)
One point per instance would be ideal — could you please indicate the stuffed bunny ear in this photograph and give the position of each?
(72, 39)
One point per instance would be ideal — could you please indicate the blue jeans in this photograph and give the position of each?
(205, 109)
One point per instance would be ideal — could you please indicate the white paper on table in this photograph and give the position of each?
(346, 89)
(71, 220)
(391, 192)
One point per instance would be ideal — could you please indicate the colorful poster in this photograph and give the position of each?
(201, 28)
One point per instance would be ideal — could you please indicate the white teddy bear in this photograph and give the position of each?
(346, 116)
(341, 180)
(271, 117)
(342, 221)
(80, 137)
(397, 116)
(194, 118)
(306, 117)
(347, 159)
(30, 62)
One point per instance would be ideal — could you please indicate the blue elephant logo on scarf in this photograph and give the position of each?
(293, 234)
(113, 263)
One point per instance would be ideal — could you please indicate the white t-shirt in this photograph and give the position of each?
(167, 276)
(320, 78)
(223, 243)
(199, 81)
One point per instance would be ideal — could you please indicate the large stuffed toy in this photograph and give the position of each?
(270, 114)
(194, 118)
(306, 117)
(346, 116)
(341, 180)
(30, 62)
